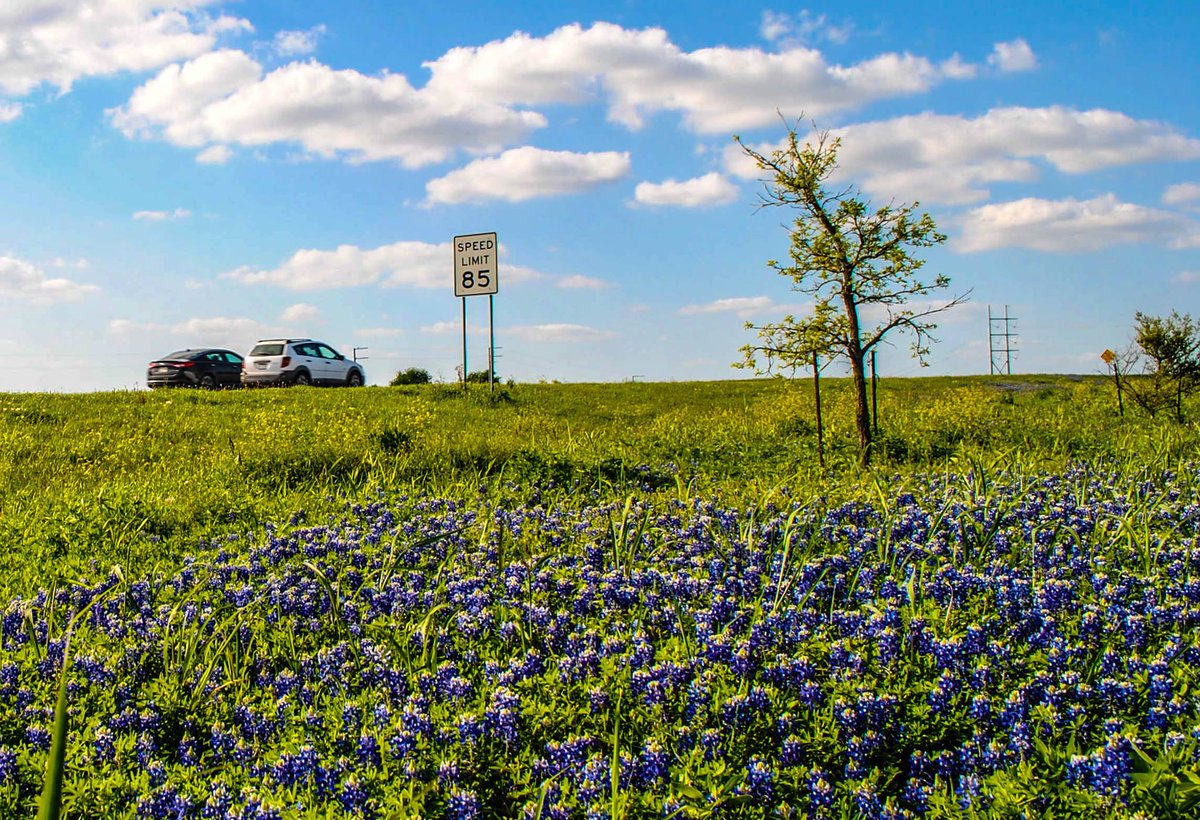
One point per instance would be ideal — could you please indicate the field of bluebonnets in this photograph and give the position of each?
(599, 601)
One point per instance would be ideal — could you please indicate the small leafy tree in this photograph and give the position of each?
(1169, 350)
(857, 265)
(413, 375)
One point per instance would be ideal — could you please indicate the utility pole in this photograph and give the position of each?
(1001, 333)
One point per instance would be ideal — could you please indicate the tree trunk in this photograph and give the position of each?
(862, 410)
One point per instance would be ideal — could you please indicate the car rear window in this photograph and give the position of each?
(272, 349)
(178, 355)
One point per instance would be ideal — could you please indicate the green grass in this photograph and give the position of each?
(134, 478)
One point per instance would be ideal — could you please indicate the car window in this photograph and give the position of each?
(274, 349)
(213, 357)
(327, 352)
(178, 354)
(233, 358)
(304, 350)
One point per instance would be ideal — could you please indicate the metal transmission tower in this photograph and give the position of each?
(1000, 342)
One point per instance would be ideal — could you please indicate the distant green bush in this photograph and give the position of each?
(414, 375)
(480, 377)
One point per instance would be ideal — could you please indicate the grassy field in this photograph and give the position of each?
(115, 475)
(1003, 603)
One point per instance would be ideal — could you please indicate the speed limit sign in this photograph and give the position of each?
(476, 266)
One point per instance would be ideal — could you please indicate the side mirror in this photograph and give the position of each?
(341, 358)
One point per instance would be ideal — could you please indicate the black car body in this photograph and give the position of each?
(209, 367)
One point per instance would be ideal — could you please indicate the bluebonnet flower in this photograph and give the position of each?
(653, 764)
(760, 780)
(820, 790)
(463, 804)
(8, 765)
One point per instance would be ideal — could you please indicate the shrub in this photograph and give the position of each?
(414, 375)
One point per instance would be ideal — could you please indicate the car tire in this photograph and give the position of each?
(302, 379)
(207, 382)
(354, 379)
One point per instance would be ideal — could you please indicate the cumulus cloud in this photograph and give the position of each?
(223, 98)
(476, 98)
(452, 329)
(560, 332)
(380, 332)
(9, 111)
(214, 155)
(57, 42)
(217, 331)
(805, 27)
(953, 159)
(294, 43)
(401, 264)
(1183, 193)
(223, 331)
(525, 173)
(744, 306)
(580, 282)
(710, 189)
(300, 314)
(1071, 225)
(1013, 56)
(24, 281)
(159, 216)
(641, 72)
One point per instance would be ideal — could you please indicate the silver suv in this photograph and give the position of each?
(300, 362)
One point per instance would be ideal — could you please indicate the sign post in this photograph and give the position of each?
(477, 273)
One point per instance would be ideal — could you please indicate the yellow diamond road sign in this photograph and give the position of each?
(1108, 356)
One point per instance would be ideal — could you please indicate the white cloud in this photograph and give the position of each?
(1187, 277)
(710, 189)
(401, 264)
(452, 329)
(57, 42)
(9, 111)
(300, 314)
(214, 155)
(24, 281)
(744, 306)
(953, 159)
(223, 99)
(1012, 56)
(412, 264)
(1183, 193)
(525, 173)
(474, 96)
(159, 216)
(293, 43)
(380, 332)
(642, 72)
(222, 327)
(1071, 225)
(218, 331)
(805, 27)
(580, 282)
(560, 332)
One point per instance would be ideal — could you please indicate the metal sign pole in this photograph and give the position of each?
(465, 371)
(491, 344)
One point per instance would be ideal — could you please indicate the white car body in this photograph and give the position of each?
(299, 361)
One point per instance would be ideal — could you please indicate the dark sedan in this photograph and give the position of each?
(208, 367)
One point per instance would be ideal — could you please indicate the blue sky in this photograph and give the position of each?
(200, 172)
